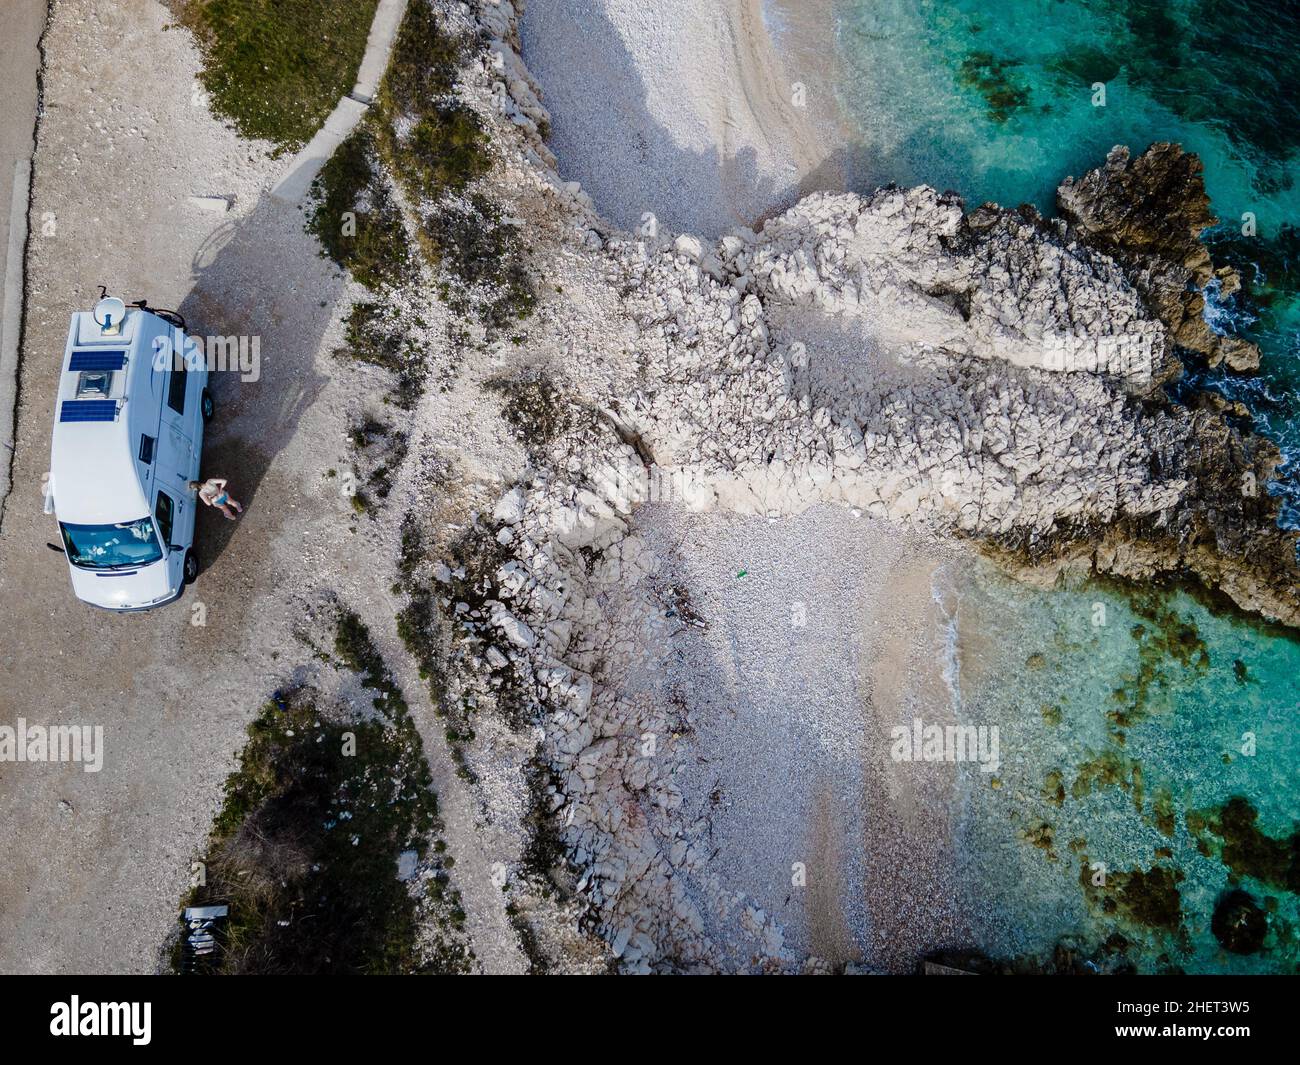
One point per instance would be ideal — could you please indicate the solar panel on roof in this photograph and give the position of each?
(97, 360)
(88, 410)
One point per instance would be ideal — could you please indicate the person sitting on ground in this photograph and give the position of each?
(213, 493)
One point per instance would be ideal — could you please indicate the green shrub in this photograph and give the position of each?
(356, 219)
(437, 161)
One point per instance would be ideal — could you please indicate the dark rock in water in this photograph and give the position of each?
(1239, 924)
(1070, 957)
(1223, 530)
(1247, 849)
(995, 79)
(1145, 898)
(1153, 205)
(1149, 214)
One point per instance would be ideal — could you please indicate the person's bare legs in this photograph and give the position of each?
(225, 509)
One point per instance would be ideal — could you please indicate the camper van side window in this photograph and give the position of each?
(176, 386)
(146, 449)
(163, 512)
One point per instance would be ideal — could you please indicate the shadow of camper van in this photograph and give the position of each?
(128, 435)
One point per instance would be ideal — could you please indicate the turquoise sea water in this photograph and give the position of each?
(1121, 719)
(999, 101)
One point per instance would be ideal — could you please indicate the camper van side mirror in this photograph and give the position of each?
(55, 547)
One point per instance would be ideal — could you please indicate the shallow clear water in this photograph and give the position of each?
(1143, 708)
(1000, 101)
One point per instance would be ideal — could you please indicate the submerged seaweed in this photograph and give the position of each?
(1165, 639)
(1245, 848)
(993, 78)
(1143, 898)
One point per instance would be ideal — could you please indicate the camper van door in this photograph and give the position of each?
(178, 463)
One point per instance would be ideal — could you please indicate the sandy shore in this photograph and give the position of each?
(708, 116)
(712, 117)
(804, 665)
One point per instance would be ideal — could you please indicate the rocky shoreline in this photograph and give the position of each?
(990, 377)
(1149, 214)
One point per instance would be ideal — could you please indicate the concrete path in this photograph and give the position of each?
(19, 63)
(344, 118)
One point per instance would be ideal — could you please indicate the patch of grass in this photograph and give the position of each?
(303, 896)
(357, 651)
(425, 61)
(410, 550)
(543, 857)
(417, 626)
(545, 851)
(277, 68)
(375, 335)
(448, 147)
(384, 450)
(305, 847)
(420, 626)
(355, 217)
(469, 237)
(443, 147)
(381, 477)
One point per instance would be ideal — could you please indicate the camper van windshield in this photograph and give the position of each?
(130, 543)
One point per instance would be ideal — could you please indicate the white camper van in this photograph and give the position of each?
(128, 433)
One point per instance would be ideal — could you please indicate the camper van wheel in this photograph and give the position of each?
(206, 405)
(191, 567)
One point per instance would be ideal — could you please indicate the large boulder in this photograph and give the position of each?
(1149, 213)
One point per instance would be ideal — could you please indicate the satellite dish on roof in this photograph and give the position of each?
(109, 314)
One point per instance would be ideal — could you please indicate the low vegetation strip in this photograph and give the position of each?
(277, 68)
(437, 147)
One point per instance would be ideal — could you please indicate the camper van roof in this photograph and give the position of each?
(96, 480)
